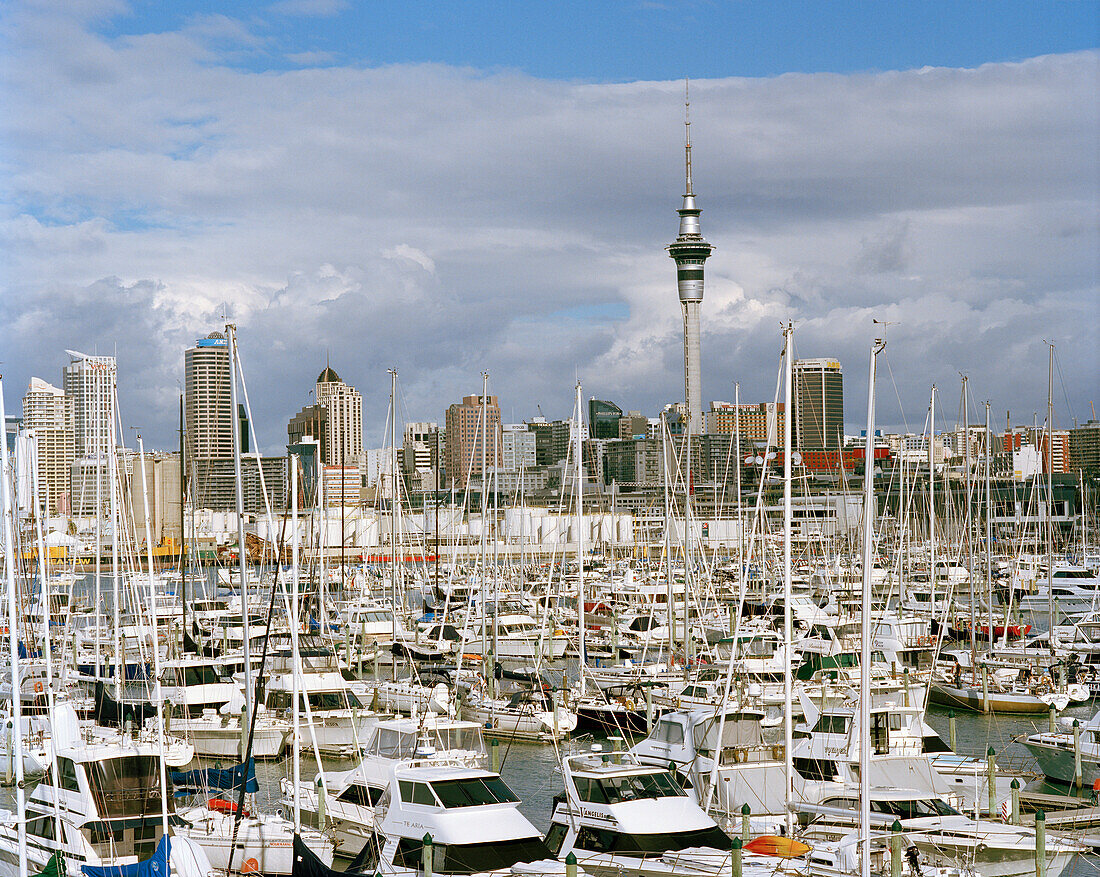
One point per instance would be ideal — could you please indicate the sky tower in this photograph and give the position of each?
(690, 251)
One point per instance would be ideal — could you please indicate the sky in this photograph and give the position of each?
(466, 187)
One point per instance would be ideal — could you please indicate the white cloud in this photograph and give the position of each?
(446, 220)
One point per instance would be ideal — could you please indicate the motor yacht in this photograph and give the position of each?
(105, 799)
(941, 834)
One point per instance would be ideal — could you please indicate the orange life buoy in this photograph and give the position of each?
(38, 688)
(250, 866)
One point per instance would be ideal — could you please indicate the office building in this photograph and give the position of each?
(48, 413)
(818, 422)
(1084, 447)
(468, 438)
(517, 447)
(603, 419)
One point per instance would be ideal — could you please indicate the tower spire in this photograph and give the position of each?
(687, 136)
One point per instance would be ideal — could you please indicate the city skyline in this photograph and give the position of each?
(343, 206)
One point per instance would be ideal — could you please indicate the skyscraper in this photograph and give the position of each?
(207, 405)
(464, 438)
(343, 419)
(90, 382)
(818, 421)
(690, 251)
(48, 412)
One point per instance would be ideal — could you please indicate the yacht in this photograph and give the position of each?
(526, 715)
(106, 800)
(750, 770)
(471, 815)
(941, 834)
(350, 796)
(337, 720)
(621, 817)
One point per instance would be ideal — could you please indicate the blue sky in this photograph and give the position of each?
(645, 39)
(447, 189)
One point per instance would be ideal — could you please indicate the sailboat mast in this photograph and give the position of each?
(393, 514)
(988, 527)
(156, 637)
(183, 531)
(968, 527)
(788, 727)
(235, 421)
(294, 625)
(13, 641)
(932, 503)
(865, 622)
(577, 446)
(1050, 500)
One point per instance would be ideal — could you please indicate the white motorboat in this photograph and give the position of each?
(943, 836)
(621, 817)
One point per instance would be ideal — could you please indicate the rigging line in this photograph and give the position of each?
(1062, 381)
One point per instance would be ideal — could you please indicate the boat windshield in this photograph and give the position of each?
(627, 787)
(499, 855)
(334, 700)
(914, 809)
(473, 792)
(126, 786)
(606, 840)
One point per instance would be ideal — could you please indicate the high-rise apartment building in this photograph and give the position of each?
(465, 435)
(90, 382)
(343, 444)
(818, 422)
(759, 422)
(207, 406)
(48, 413)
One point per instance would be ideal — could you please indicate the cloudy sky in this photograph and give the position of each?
(490, 186)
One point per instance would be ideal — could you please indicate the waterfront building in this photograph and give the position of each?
(552, 440)
(48, 413)
(90, 382)
(465, 435)
(818, 422)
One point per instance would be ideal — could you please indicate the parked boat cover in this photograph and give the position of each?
(55, 867)
(208, 779)
(156, 866)
(111, 714)
(306, 863)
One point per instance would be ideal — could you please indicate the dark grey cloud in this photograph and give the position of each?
(444, 221)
